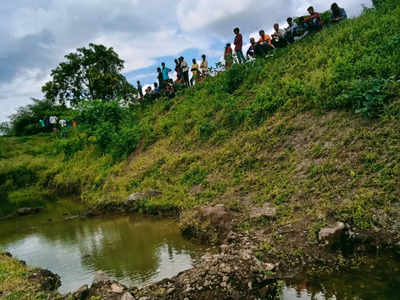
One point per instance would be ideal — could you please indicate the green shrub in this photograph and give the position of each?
(366, 97)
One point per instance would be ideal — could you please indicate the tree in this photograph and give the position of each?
(88, 74)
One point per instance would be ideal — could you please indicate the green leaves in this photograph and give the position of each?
(365, 97)
(90, 73)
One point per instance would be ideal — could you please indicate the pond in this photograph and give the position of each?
(377, 280)
(133, 250)
(138, 251)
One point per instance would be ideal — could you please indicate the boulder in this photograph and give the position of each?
(25, 211)
(218, 216)
(117, 288)
(266, 211)
(140, 196)
(127, 296)
(152, 193)
(47, 280)
(135, 197)
(7, 254)
(101, 277)
(82, 293)
(210, 224)
(331, 235)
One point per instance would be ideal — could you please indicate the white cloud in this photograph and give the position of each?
(37, 34)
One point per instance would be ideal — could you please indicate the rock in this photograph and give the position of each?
(47, 280)
(82, 293)
(266, 211)
(25, 211)
(170, 291)
(117, 288)
(127, 296)
(218, 216)
(152, 193)
(331, 235)
(8, 254)
(140, 196)
(397, 248)
(210, 224)
(135, 197)
(71, 218)
(101, 277)
(270, 267)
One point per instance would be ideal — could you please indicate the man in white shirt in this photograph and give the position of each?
(278, 37)
(53, 120)
(291, 31)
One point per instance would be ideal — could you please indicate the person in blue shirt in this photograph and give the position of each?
(165, 72)
(337, 13)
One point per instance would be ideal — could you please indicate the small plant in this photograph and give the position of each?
(366, 97)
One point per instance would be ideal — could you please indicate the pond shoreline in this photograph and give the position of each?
(243, 267)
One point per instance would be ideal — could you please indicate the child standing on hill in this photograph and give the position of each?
(238, 45)
(228, 56)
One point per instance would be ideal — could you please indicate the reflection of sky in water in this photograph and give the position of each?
(140, 251)
(133, 252)
(292, 294)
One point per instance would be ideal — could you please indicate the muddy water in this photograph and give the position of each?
(134, 250)
(379, 279)
(138, 251)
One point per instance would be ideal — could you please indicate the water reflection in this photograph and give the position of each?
(379, 279)
(133, 250)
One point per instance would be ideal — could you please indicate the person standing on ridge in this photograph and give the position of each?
(140, 89)
(178, 70)
(204, 66)
(337, 13)
(195, 72)
(228, 56)
(165, 72)
(238, 45)
(185, 71)
(160, 79)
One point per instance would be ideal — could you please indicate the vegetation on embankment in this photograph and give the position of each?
(312, 130)
(19, 282)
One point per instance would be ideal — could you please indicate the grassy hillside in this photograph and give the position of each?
(19, 282)
(312, 130)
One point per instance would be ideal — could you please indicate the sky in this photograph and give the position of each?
(36, 35)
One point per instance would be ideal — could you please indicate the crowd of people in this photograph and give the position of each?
(295, 30)
(53, 123)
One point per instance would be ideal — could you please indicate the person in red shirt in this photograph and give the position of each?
(238, 45)
(313, 22)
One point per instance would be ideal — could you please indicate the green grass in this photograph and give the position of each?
(312, 130)
(14, 283)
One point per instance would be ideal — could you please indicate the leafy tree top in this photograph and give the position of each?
(88, 74)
